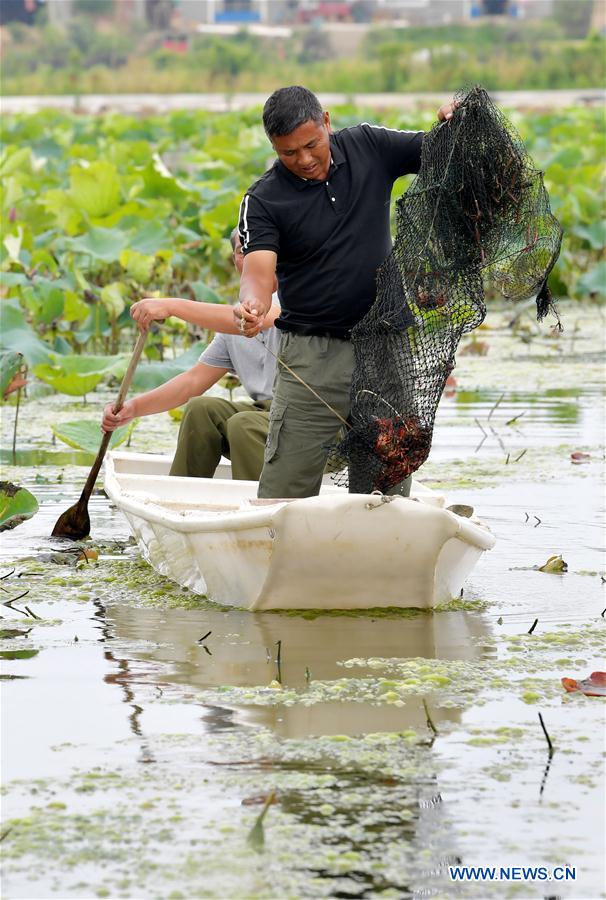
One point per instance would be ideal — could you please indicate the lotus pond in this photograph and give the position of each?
(156, 745)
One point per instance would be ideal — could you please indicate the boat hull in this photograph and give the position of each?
(334, 551)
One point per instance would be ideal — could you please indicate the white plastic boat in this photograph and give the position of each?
(334, 551)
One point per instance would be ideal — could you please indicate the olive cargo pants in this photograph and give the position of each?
(212, 427)
(301, 427)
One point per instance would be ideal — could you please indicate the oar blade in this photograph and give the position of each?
(74, 523)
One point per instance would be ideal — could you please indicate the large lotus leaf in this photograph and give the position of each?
(103, 244)
(149, 239)
(160, 182)
(45, 300)
(95, 188)
(16, 505)
(112, 298)
(139, 266)
(16, 334)
(78, 375)
(14, 160)
(594, 234)
(125, 154)
(151, 375)
(203, 292)
(82, 152)
(97, 324)
(13, 279)
(120, 213)
(13, 243)
(12, 192)
(217, 220)
(221, 146)
(86, 434)
(61, 205)
(76, 310)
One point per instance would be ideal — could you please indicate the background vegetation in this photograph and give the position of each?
(98, 57)
(100, 211)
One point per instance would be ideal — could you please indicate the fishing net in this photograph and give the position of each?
(476, 212)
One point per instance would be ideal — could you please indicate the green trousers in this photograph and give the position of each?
(212, 427)
(301, 428)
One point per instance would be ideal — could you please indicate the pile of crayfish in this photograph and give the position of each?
(403, 446)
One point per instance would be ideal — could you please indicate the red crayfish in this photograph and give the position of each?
(403, 445)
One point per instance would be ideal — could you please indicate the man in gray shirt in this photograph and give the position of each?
(212, 426)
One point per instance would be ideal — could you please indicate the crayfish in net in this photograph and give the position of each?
(402, 445)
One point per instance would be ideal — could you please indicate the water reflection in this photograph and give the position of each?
(43, 457)
(123, 678)
(243, 652)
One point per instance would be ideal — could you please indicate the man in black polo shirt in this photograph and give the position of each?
(319, 220)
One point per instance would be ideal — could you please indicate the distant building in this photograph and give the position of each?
(237, 12)
(161, 14)
(412, 12)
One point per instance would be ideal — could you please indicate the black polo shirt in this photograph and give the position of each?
(330, 236)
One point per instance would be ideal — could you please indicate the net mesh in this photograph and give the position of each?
(477, 211)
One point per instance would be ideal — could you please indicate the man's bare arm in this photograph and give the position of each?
(256, 287)
(213, 316)
(174, 393)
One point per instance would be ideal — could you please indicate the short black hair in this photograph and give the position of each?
(289, 107)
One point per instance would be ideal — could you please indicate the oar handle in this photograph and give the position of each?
(128, 377)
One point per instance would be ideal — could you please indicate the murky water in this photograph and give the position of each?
(144, 729)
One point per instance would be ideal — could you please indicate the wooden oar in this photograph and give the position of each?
(74, 523)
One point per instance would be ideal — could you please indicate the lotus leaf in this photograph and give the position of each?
(44, 300)
(75, 309)
(222, 217)
(86, 434)
(149, 239)
(594, 234)
(16, 505)
(62, 206)
(14, 160)
(95, 188)
(152, 375)
(137, 265)
(12, 243)
(97, 324)
(160, 182)
(13, 279)
(103, 244)
(60, 345)
(594, 281)
(203, 292)
(78, 375)
(112, 297)
(16, 334)
(12, 192)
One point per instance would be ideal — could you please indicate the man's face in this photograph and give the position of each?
(238, 256)
(306, 150)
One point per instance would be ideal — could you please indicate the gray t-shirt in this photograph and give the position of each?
(247, 358)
